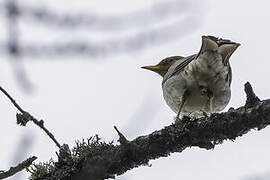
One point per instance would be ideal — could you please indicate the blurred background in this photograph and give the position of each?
(76, 64)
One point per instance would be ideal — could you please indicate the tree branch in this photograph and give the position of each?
(252, 99)
(11, 99)
(24, 117)
(18, 168)
(101, 160)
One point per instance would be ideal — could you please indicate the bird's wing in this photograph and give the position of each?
(182, 65)
(178, 68)
(229, 76)
(172, 59)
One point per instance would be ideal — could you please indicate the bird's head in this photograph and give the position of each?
(162, 67)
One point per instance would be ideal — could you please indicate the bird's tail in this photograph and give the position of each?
(222, 46)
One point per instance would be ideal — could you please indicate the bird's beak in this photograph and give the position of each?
(152, 68)
(161, 70)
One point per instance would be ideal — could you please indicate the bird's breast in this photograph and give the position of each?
(206, 71)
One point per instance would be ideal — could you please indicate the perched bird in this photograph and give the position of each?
(199, 84)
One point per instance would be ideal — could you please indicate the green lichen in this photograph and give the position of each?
(89, 148)
(39, 170)
(70, 164)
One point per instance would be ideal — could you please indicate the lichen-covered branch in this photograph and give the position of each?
(18, 168)
(97, 160)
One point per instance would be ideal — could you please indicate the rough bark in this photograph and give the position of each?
(21, 166)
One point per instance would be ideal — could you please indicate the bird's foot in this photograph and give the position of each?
(177, 119)
(182, 119)
(205, 114)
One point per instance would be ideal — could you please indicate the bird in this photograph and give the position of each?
(200, 84)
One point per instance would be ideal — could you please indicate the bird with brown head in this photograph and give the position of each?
(198, 84)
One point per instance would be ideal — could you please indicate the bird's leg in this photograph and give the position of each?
(205, 92)
(182, 102)
(210, 97)
(211, 104)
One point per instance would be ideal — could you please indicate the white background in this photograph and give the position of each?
(80, 97)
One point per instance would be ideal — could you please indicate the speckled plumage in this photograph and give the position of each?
(202, 72)
(204, 78)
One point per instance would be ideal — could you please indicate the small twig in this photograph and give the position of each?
(41, 125)
(13, 170)
(25, 117)
(122, 139)
(252, 99)
(12, 100)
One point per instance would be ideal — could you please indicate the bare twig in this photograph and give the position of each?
(252, 99)
(18, 168)
(25, 117)
(122, 139)
(41, 125)
(12, 100)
